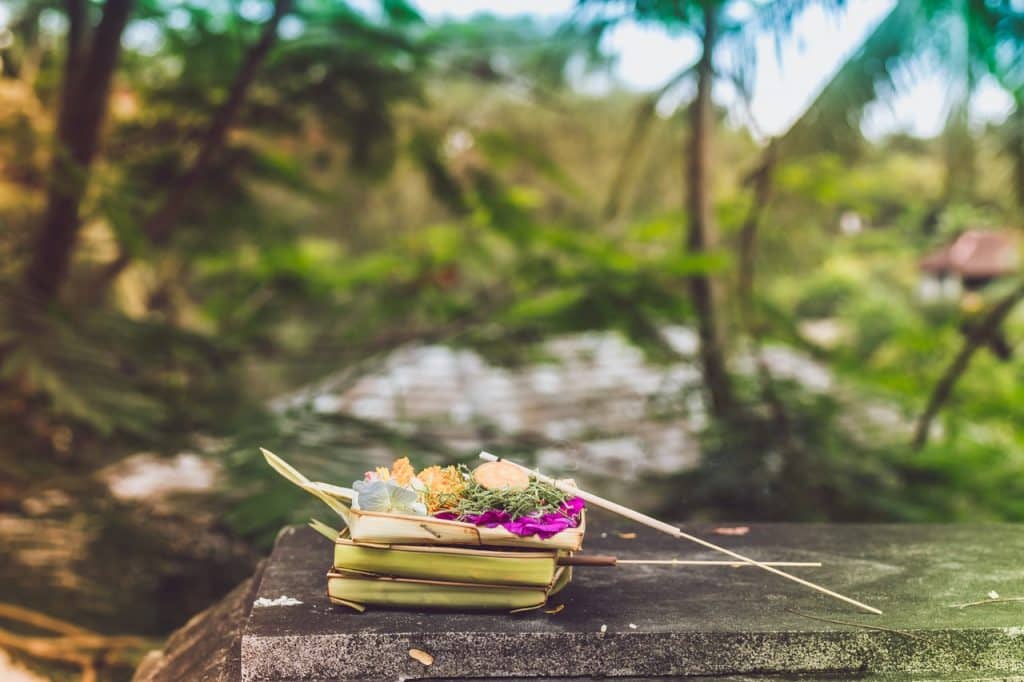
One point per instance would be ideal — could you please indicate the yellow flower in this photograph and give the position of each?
(383, 474)
(402, 472)
(444, 486)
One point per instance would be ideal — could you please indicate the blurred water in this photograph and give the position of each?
(595, 400)
(595, 408)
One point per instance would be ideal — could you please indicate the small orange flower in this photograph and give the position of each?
(444, 485)
(402, 472)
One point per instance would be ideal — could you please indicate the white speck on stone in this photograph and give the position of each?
(604, 535)
(280, 601)
(604, 629)
(992, 594)
(632, 626)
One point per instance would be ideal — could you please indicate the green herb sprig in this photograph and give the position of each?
(536, 499)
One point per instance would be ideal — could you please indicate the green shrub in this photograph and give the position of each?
(824, 295)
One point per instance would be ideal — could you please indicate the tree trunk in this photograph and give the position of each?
(88, 77)
(977, 338)
(700, 235)
(78, 28)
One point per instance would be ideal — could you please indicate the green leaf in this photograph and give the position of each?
(545, 305)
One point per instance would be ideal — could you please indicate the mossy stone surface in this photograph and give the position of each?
(647, 621)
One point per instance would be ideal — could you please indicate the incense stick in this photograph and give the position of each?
(654, 523)
(608, 560)
(737, 564)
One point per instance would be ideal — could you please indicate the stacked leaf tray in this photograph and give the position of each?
(405, 543)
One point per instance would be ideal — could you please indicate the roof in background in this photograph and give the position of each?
(976, 253)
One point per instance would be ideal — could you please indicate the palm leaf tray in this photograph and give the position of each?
(438, 577)
(406, 560)
(389, 528)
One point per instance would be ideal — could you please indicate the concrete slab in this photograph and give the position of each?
(645, 621)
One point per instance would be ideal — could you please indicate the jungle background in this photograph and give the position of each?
(349, 232)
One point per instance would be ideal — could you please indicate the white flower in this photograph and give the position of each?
(387, 496)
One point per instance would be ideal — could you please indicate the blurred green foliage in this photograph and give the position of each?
(387, 180)
(282, 195)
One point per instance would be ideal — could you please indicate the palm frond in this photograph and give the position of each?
(778, 17)
(832, 121)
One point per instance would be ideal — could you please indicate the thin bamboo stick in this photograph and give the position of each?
(737, 564)
(654, 523)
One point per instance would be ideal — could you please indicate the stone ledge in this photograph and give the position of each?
(689, 622)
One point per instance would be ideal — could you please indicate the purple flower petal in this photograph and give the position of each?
(543, 526)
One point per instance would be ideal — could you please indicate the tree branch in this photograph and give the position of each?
(160, 224)
(977, 338)
(634, 144)
(762, 180)
(162, 221)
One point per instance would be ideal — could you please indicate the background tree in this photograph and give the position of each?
(90, 61)
(712, 23)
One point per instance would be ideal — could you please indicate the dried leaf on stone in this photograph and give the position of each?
(421, 656)
(627, 536)
(733, 530)
(557, 609)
